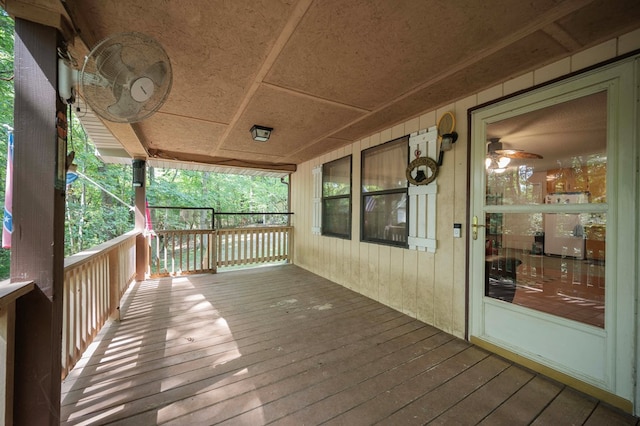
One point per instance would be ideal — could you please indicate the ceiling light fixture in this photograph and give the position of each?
(497, 165)
(260, 133)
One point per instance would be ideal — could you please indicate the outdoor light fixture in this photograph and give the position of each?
(446, 144)
(260, 133)
(138, 173)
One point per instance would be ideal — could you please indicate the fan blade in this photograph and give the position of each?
(157, 72)
(109, 63)
(126, 107)
(516, 153)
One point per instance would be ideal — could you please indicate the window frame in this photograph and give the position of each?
(348, 196)
(399, 190)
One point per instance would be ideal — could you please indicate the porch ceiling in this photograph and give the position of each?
(322, 73)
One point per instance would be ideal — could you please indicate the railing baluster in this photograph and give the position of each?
(84, 330)
(235, 246)
(92, 301)
(244, 256)
(158, 254)
(274, 244)
(232, 249)
(200, 244)
(196, 265)
(255, 238)
(173, 255)
(76, 315)
(187, 237)
(230, 244)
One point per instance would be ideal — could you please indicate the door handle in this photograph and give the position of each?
(474, 227)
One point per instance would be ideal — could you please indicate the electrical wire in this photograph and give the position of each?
(82, 175)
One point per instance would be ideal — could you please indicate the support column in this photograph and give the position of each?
(142, 248)
(37, 249)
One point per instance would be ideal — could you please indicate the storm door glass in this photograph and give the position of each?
(545, 209)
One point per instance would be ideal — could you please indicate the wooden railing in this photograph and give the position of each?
(199, 251)
(94, 282)
(9, 293)
(244, 246)
(182, 252)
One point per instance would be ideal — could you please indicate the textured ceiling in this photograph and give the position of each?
(323, 73)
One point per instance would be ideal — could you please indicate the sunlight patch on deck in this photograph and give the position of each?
(284, 303)
(323, 307)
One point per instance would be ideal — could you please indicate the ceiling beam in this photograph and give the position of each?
(294, 20)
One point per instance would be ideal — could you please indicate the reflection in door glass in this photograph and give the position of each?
(560, 149)
(551, 262)
(550, 259)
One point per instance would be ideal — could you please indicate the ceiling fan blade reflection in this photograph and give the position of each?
(495, 148)
(519, 154)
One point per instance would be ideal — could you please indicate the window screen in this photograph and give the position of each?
(384, 193)
(336, 198)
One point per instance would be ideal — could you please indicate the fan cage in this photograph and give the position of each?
(113, 66)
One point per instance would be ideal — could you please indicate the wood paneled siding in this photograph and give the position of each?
(428, 286)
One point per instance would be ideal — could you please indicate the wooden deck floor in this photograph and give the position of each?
(282, 346)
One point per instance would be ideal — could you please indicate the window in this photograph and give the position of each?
(336, 198)
(384, 193)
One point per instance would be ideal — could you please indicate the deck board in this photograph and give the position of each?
(282, 346)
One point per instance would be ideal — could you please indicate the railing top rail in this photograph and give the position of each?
(209, 231)
(249, 213)
(255, 228)
(9, 291)
(85, 256)
(218, 213)
(180, 208)
(185, 231)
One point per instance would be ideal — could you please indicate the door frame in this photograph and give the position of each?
(620, 333)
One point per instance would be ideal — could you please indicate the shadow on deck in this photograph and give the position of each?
(280, 345)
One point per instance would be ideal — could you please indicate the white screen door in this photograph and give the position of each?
(551, 259)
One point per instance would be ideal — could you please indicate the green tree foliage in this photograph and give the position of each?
(222, 192)
(6, 111)
(94, 212)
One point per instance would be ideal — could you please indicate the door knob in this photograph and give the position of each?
(474, 227)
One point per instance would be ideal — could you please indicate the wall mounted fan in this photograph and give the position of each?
(125, 78)
(499, 157)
